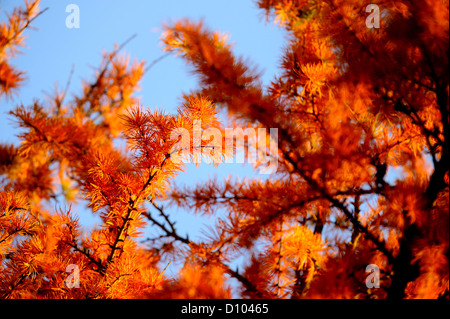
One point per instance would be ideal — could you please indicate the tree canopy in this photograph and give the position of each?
(353, 104)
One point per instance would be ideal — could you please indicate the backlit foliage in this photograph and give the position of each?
(11, 39)
(362, 118)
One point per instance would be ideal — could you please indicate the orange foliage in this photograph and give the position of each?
(362, 117)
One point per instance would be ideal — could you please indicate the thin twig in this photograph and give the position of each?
(66, 89)
(153, 63)
(103, 70)
(174, 234)
(28, 22)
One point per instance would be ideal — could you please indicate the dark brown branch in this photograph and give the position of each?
(131, 208)
(169, 232)
(101, 268)
(26, 25)
(14, 286)
(380, 244)
(250, 287)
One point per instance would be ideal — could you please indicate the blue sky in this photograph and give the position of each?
(53, 49)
